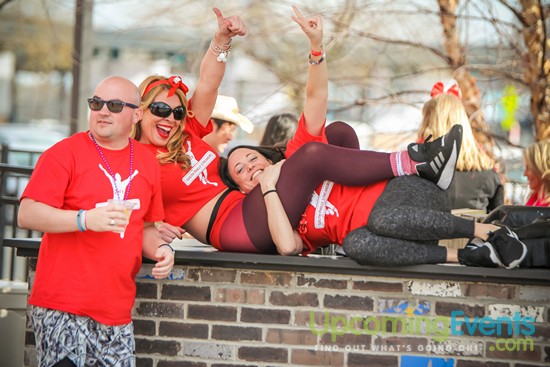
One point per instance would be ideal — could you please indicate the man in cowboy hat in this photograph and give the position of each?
(225, 119)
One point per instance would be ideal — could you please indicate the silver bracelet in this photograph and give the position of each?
(220, 52)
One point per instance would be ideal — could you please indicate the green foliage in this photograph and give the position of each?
(510, 104)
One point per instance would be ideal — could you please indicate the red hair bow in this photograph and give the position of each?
(449, 87)
(175, 82)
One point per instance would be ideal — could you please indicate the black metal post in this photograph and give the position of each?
(77, 52)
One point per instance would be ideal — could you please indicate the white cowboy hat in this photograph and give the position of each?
(226, 109)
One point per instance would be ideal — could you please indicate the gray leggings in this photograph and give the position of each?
(404, 227)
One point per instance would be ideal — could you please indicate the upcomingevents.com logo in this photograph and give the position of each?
(439, 328)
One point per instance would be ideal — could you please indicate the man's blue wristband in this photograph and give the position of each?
(79, 219)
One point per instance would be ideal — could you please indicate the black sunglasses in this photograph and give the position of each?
(161, 109)
(115, 106)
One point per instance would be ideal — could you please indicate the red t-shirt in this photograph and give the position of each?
(92, 273)
(186, 192)
(334, 209)
(535, 200)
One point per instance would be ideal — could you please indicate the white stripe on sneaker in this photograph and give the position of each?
(448, 171)
(492, 253)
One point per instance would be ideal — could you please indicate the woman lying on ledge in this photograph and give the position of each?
(395, 222)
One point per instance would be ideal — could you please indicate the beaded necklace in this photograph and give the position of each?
(111, 171)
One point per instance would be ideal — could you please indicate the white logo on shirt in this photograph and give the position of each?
(119, 186)
(198, 167)
(322, 206)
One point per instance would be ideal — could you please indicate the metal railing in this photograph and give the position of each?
(13, 179)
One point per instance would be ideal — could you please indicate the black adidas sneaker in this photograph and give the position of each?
(438, 158)
(479, 253)
(510, 249)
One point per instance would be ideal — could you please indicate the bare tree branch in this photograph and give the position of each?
(4, 3)
(514, 11)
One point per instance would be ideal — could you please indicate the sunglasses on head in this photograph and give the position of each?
(115, 106)
(161, 109)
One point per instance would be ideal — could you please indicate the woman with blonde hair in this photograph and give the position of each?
(537, 171)
(476, 183)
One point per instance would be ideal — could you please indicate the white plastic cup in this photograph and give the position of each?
(128, 207)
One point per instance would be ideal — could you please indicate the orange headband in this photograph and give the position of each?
(174, 81)
(450, 87)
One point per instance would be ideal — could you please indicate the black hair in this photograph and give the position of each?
(279, 129)
(220, 122)
(274, 154)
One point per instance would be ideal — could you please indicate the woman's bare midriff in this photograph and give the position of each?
(198, 224)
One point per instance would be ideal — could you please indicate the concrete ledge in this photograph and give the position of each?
(333, 265)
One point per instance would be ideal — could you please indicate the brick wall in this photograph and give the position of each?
(217, 317)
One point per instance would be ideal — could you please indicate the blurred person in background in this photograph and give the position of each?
(476, 184)
(279, 130)
(226, 118)
(537, 171)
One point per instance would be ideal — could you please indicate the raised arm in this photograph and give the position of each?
(315, 108)
(212, 67)
(287, 240)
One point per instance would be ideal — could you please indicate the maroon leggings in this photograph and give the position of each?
(306, 169)
(342, 135)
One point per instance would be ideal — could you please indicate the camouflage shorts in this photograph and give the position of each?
(84, 341)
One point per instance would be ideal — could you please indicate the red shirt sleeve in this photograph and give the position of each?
(193, 125)
(302, 136)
